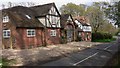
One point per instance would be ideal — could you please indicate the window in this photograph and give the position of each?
(5, 19)
(6, 33)
(53, 33)
(28, 16)
(30, 32)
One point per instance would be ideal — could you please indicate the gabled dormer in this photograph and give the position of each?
(66, 19)
(49, 15)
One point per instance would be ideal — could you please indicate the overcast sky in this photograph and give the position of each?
(58, 3)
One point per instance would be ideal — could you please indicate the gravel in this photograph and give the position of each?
(27, 56)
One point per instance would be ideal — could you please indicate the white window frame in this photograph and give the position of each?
(5, 19)
(30, 34)
(6, 33)
(53, 32)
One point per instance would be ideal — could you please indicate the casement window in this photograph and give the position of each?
(53, 32)
(6, 33)
(30, 32)
(5, 19)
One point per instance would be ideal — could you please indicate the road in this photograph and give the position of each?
(95, 56)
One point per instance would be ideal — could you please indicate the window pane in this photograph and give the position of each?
(8, 33)
(4, 32)
(33, 33)
(29, 32)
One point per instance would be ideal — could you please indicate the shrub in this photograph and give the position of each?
(100, 36)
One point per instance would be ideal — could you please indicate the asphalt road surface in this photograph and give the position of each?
(95, 56)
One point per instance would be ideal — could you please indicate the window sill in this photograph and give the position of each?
(5, 22)
(30, 36)
(53, 36)
(6, 37)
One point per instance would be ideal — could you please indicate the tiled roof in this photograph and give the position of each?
(64, 18)
(83, 20)
(18, 16)
(43, 10)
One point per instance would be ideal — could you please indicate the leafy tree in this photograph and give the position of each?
(71, 8)
(96, 16)
(113, 12)
(12, 4)
(95, 13)
(108, 28)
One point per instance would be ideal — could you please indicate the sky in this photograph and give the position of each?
(58, 3)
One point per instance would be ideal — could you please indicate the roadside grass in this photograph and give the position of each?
(6, 62)
(0, 62)
(104, 40)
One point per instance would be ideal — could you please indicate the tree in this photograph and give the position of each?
(95, 12)
(113, 12)
(108, 28)
(3, 6)
(11, 4)
(96, 16)
(71, 8)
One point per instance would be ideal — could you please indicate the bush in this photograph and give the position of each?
(100, 36)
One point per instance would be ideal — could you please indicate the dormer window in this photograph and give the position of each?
(5, 19)
(28, 16)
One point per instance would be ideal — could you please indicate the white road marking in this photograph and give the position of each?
(107, 47)
(89, 57)
(85, 59)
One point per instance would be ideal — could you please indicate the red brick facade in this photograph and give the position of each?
(44, 22)
(86, 36)
(53, 39)
(19, 39)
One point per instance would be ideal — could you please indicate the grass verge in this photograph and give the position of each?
(5, 62)
(104, 40)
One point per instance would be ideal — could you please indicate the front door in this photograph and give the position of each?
(69, 35)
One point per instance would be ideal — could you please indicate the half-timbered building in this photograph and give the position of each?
(49, 16)
(83, 29)
(67, 28)
(21, 29)
(26, 27)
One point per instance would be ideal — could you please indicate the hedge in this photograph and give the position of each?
(100, 36)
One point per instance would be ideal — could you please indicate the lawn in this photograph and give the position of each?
(104, 40)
